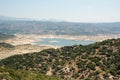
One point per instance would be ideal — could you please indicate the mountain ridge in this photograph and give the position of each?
(58, 28)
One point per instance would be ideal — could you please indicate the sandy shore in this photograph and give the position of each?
(26, 43)
(22, 49)
(31, 38)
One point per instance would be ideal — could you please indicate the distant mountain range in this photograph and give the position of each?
(5, 18)
(12, 25)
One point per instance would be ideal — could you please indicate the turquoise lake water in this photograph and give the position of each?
(62, 42)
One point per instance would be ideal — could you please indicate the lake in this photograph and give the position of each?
(63, 42)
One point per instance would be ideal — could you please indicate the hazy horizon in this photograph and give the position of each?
(52, 20)
(63, 10)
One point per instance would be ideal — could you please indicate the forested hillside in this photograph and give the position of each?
(11, 74)
(98, 61)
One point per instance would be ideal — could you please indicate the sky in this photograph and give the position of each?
(67, 10)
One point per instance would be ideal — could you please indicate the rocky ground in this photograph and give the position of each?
(21, 49)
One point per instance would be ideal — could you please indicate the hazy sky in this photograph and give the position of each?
(70, 10)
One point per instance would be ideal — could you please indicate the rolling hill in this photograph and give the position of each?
(98, 61)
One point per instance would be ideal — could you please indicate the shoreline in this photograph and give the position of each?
(23, 49)
(27, 43)
(33, 38)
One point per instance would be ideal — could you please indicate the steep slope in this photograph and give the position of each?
(98, 61)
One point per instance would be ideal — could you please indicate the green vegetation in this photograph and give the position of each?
(11, 74)
(90, 62)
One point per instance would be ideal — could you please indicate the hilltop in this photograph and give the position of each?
(98, 61)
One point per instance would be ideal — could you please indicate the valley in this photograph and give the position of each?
(59, 50)
(59, 39)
